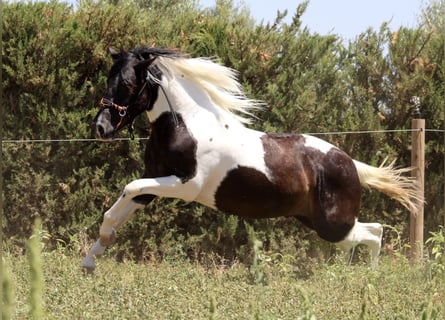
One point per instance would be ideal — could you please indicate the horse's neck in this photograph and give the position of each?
(187, 99)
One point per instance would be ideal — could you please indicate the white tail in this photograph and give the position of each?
(392, 182)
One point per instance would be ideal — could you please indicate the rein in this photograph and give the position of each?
(175, 117)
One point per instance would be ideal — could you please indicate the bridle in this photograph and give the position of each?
(106, 103)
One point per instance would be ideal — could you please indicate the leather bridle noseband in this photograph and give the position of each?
(105, 103)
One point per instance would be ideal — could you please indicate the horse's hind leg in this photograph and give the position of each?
(369, 234)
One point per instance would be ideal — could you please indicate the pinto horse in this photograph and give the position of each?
(200, 150)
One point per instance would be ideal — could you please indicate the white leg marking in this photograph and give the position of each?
(96, 250)
(124, 208)
(114, 222)
(127, 213)
(369, 234)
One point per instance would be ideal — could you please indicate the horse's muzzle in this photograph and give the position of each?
(103, 128)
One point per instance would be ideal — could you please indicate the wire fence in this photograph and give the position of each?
(18, 141)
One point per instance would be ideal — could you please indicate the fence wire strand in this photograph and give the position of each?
(17, 141)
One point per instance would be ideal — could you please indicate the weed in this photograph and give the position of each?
(212, 308)
(260, 261)
(437, 242)
(7, 293)
(36, 274)
(369, 296)
(397, 247)
(306, 309)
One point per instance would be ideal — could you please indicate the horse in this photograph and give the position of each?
(201, 149)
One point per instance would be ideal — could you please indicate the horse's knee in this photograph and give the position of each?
(133, 189)
(369, 234)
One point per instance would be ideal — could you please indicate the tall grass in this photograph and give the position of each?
(178, 289)
(36, 273)
(36, 279)
(7, 293)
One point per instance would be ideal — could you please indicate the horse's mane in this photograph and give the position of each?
(218, 81)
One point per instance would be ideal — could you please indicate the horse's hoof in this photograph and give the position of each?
(88, 265)
(88, 270)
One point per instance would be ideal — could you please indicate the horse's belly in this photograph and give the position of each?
(249, 193)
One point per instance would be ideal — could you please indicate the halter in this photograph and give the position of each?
(106, 103)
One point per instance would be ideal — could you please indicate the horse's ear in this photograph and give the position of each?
(144, 64)
(114, 54)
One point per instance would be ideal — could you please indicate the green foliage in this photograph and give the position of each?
(437, 260)
(55, 66)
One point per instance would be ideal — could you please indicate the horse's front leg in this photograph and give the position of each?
(100, 245)
(125, 206)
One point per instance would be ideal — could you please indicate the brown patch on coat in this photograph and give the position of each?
(321, 190)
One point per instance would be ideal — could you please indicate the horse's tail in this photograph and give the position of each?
(392, 182)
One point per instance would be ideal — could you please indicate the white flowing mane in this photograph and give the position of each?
(218, 81)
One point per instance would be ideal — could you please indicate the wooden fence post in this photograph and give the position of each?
(418, 164)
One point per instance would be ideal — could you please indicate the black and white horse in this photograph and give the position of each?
(200, 150)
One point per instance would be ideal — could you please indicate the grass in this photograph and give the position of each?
(183, 290)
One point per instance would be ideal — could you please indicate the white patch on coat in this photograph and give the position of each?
(316, 143)
(223, 142)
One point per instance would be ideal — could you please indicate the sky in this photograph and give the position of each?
(346, 18)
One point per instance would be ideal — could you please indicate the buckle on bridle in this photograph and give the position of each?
(105, 103)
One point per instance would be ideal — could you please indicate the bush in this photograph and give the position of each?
(54, 71)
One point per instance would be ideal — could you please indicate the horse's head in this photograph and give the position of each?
(131, 90)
